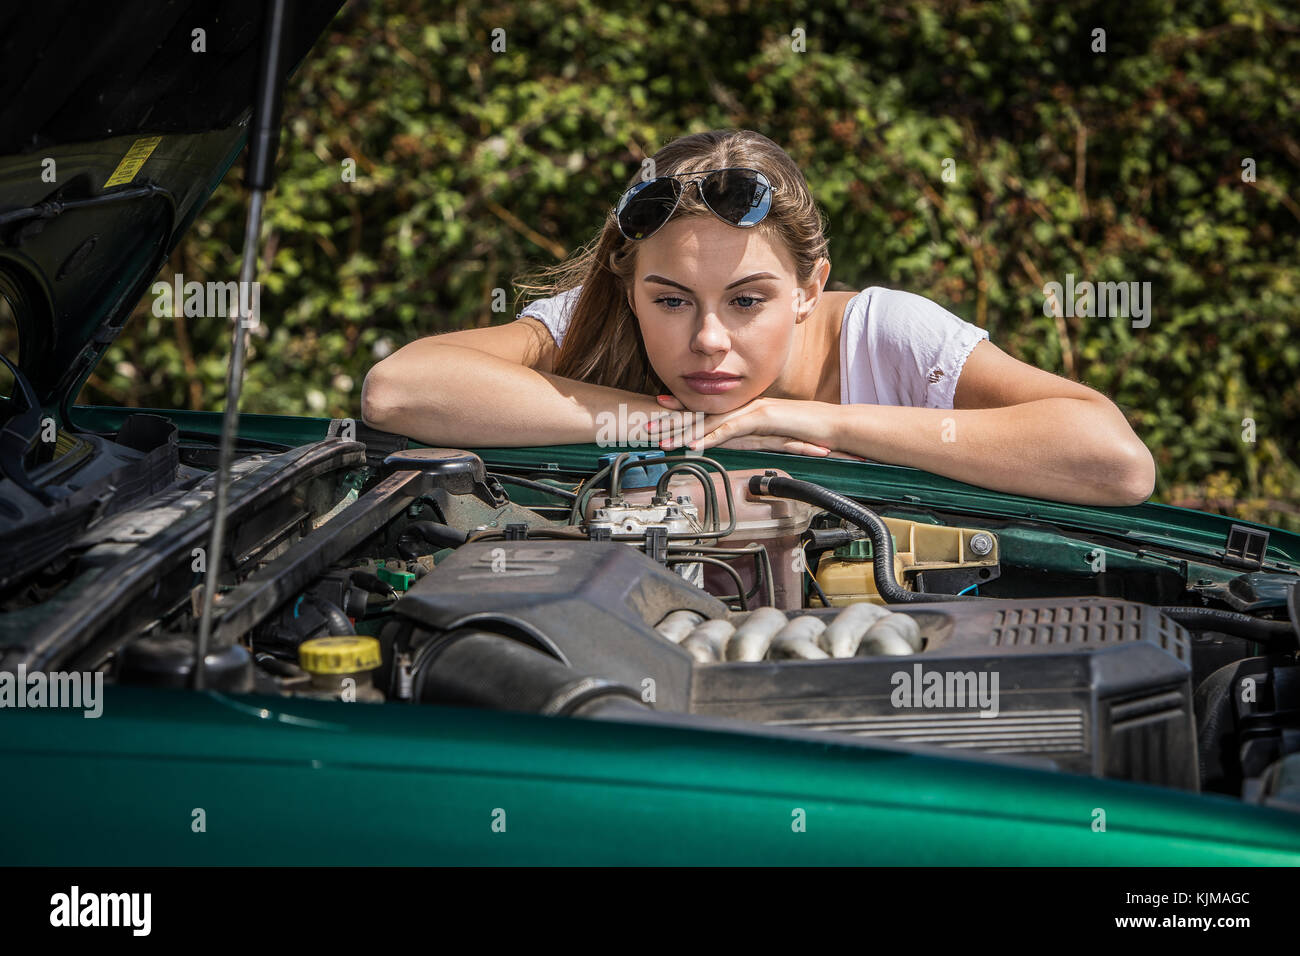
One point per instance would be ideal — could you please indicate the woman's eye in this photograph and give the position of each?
(746, 303)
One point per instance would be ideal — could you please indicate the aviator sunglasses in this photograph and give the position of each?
(736, 195)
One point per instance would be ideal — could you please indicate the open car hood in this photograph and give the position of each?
(99, 101)
(933, 662)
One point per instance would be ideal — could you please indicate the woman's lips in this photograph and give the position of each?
(711, 383)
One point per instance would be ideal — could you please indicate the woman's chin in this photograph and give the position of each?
(710, 404)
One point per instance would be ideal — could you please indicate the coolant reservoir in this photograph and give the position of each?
(847, 575)
(775, 523)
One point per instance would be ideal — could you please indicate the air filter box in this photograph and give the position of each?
(592, 605)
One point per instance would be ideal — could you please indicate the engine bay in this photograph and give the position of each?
(372, 573)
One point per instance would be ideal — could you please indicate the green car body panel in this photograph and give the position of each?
(315, 782)
(167, 777)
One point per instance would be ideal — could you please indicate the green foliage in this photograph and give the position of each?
(474, 165)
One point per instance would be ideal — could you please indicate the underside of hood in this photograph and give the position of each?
(147, 105)
(72, 72)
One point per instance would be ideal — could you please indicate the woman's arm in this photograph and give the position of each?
(492, 387)
(1062, 449)
(1013, 428)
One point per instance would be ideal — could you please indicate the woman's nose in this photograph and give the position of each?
(711, 336)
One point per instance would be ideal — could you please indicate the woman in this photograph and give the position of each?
(705, 293)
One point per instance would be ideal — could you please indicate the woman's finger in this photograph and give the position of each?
(688, 427)
(732, 428)
(793, 446)
(797, 447)
(663, 423)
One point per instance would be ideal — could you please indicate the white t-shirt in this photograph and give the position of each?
(896, 348)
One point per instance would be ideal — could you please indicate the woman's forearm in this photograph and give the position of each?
(455, 395)
(1065, 449)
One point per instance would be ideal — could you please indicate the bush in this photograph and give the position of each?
(1123, 165)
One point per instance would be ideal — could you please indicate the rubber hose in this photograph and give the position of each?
(1268, 633)
(882, 545)
(338, 621)
(483, 669)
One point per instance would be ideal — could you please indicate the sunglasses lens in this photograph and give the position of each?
(740, 196)
(646, 206)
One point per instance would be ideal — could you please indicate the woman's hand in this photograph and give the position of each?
(764, 424)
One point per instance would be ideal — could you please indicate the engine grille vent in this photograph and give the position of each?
(1102, 623)
(1022, 731)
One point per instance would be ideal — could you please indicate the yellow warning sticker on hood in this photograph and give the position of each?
(140, 150)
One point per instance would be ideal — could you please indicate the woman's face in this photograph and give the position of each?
(716, 306)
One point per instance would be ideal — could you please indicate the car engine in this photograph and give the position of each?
(367, 572)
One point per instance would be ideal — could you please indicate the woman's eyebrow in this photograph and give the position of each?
(677, 285)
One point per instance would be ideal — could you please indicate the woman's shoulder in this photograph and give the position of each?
(553, 311)
(904, 348)
(895, 314)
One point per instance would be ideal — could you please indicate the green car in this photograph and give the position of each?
(562, 655)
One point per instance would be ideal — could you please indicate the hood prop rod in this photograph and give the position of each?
(264, 139)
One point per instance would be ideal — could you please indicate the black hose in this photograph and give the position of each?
(371, 582)
(820, 539)
(278, 667)
(474, 668)
(1273, 634)
(334, 616)
(882, 544)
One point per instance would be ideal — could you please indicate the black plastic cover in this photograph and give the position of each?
(1099, 686)
(592, 605)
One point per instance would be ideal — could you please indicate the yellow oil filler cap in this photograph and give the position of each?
(345, 654)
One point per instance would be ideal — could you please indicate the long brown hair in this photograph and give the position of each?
(603, 343)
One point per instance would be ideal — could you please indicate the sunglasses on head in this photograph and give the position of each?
(736, 195)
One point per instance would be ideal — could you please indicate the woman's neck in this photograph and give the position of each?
(813, 370)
